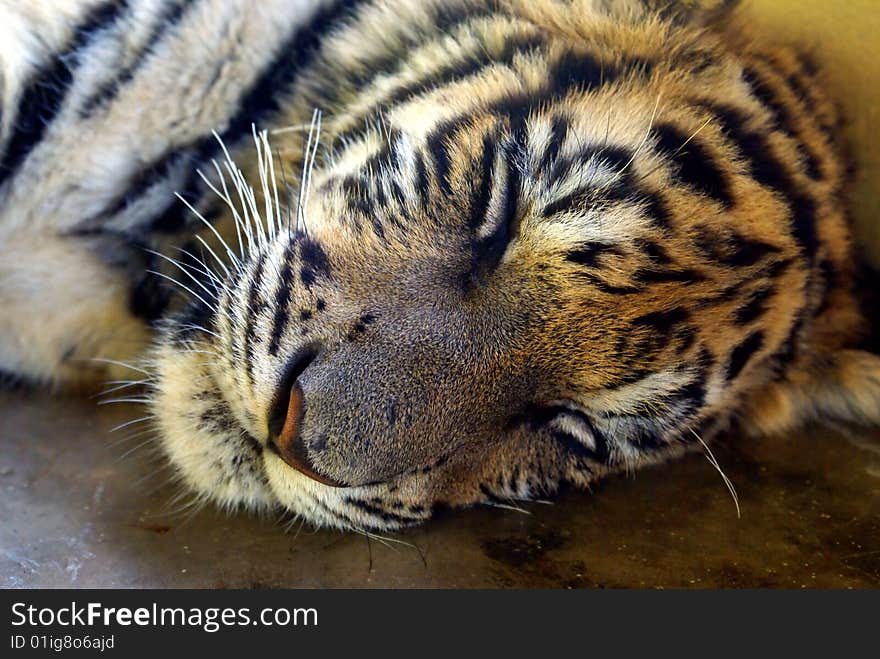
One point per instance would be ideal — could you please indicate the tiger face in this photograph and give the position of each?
(552, 264)
(362, 378)
(530, 328)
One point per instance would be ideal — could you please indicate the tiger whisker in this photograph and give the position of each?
(219, 284)
(180, 266)
(308, 168)
(116, 363)
(112, 401)
(119, 385)
(714, 462)
(211, 251)
(644, 141)
(134, 449)
(241, 228)
(184, 287)
(142, 419)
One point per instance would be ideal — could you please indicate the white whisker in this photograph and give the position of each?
(645, 138)
(216, 233)
(711, 458)
(117, 363)
(180, 266)
(184, 287)
(149, 417)
(125, 400)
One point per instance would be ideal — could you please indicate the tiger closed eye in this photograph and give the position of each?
(497, 249)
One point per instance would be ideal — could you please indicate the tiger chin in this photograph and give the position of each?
(530, 244)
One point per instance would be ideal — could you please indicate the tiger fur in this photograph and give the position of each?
(540, 242)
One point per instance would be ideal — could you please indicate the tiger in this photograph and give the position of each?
(374, 259)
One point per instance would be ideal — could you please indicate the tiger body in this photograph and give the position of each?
(532, 243)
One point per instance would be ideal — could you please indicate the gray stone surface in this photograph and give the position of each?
(78, 510)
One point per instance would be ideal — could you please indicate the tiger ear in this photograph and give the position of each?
(842, 387)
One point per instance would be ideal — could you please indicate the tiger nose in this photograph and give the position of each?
(289, 443)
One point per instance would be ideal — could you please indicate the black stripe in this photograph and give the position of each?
(583, 455)
(741, 354)
(298, 51)
(558, 132)
(766, 95)
(571, 71)
(582, 71)
(195, 313)
(734, 250)
(652, 333)
(490, 249)
(793, 81)
(156, 173)
(314, 261)
(754, 308)
(790, 349)
(384, 515)
(808, 70)
(828, 280)
(580, 198)
(254, 308)
(166, 21)
(577, 71)
(338, 514)
(657, 210)
(482, 192)
(521, 104)
(472, 65)
(770, 171)
(811, 162)
(605, 287)
(576, 200)
(746, 251)
(662, 276)
(782, 115)
(357, 195)
(436, 144)
(587, 254)
(177, 216)
(44, 95)
(625, 189)
(654, 252)
(423, 187)
(489, 496)
(691, 398)
(262, 99)
(149, 297)
(615, 156)
(696, 166)
(446, 20)
(662, 322)
(282, 301)
(11, 381)
(763, 166)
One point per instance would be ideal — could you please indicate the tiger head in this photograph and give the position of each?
(552, 270)
(476, 317)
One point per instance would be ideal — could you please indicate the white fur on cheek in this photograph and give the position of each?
(215, 461)
(302, 495)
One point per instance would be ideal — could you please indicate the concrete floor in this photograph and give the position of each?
(75, 512)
